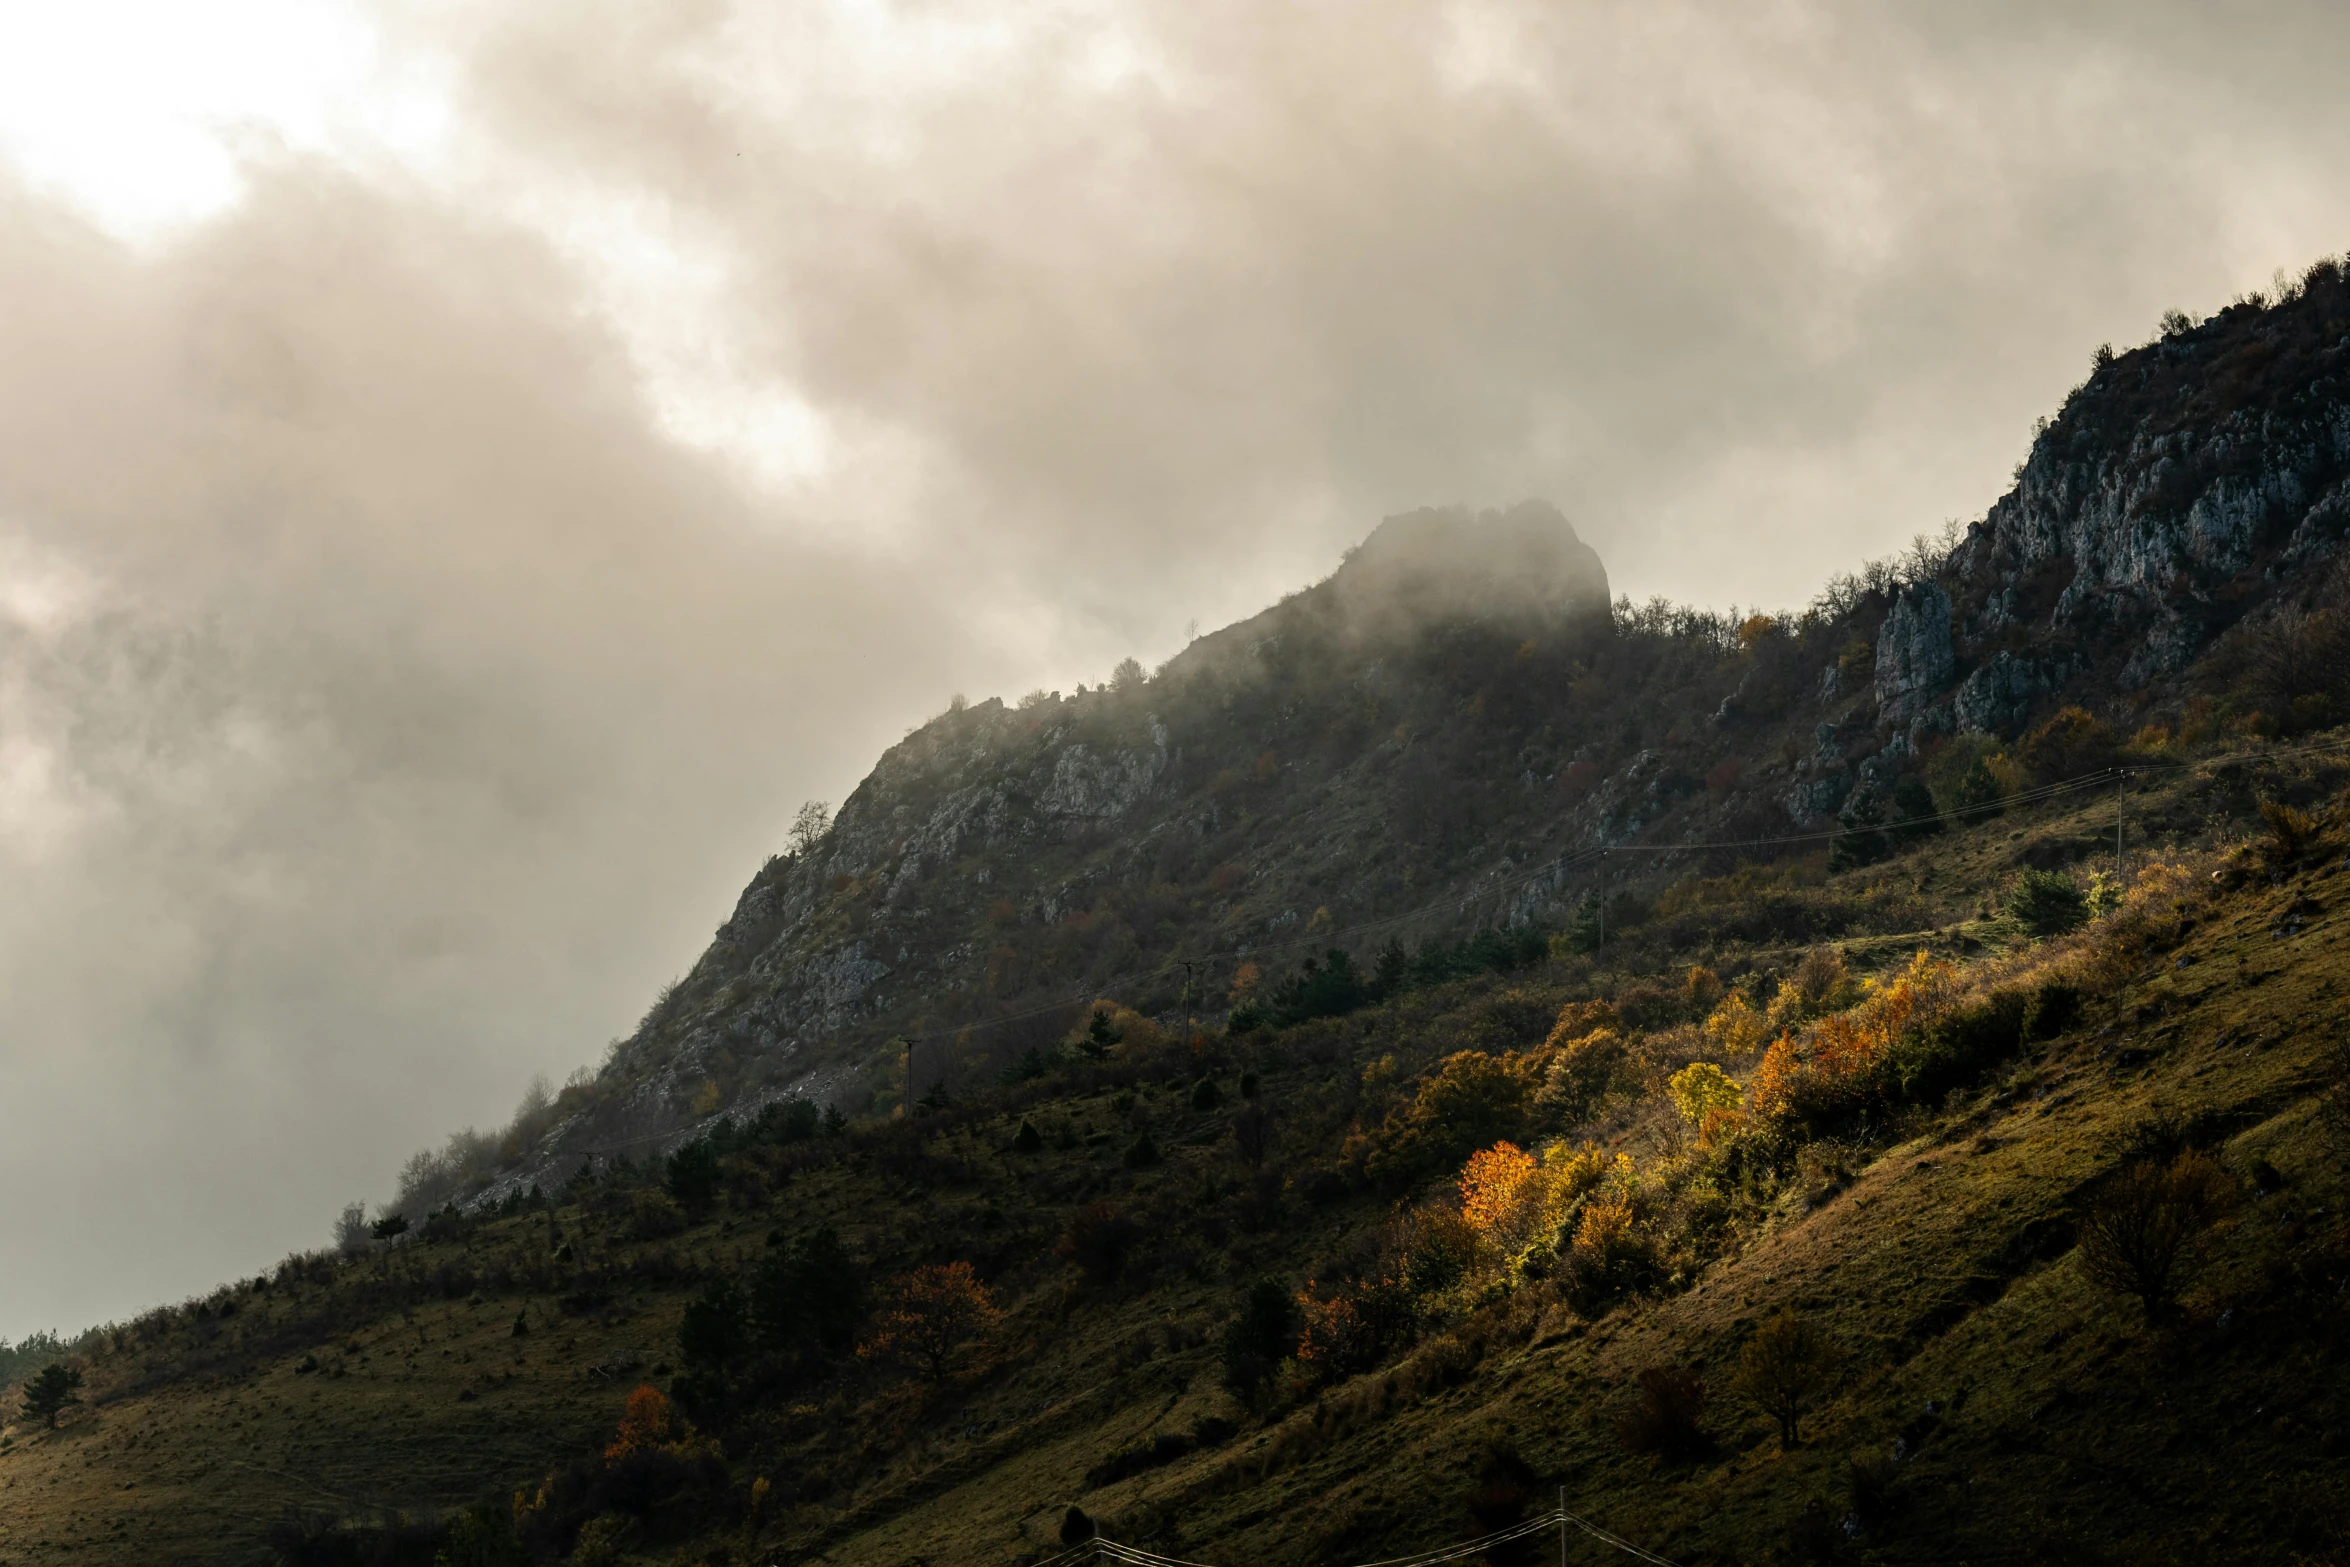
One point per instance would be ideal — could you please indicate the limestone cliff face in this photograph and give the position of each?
(2172, 493)
(1914, 654)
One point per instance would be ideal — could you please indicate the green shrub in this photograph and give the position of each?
(1027, 1068)
(1978, 796)
(1331, 987)
(1862, 842)
(716, 1327)
(2052, 1008)
(805, 1296)
(50, 1390)
(2047, 903)
(1260, 1337)
(691, 1176)
(1956, 1048)
(1915, 816)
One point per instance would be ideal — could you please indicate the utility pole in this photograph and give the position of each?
(1189, 997)
(2119, 775)
(1602, 900)
(1562, 1526)
(908, 1041)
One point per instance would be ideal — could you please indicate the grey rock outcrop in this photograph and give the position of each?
(1998, 697)
(1915, 657)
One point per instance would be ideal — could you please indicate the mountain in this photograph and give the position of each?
(1850, 1086)
(1408, 744)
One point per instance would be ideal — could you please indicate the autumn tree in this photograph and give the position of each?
(1784, 1370)
(1701, 1088)
(1491, 1183)
(651, 1424)
(929, 1315)
(1471, 1100)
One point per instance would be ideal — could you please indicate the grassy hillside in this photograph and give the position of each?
(1909, 1175)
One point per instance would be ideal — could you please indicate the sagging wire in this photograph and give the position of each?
(1100, 1547)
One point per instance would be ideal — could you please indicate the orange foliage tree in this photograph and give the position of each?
(1351, 1329)
(1491, 1184)
(1833, 1062)
(930, 1314)
(651, 1424)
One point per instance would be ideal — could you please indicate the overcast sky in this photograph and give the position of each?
(468, 473)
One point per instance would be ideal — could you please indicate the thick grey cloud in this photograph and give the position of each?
(407, 644)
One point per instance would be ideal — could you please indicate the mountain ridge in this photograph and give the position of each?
(2151, 515)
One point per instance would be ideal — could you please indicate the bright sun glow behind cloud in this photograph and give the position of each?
(132, 111)
(136, 112)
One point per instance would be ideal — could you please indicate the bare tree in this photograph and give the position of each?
(351, 1237)
(2147, 1230)
(810, 825)
(2295, 654)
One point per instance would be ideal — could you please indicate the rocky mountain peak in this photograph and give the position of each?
(1525, 562)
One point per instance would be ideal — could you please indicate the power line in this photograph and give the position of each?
(1101, 1547)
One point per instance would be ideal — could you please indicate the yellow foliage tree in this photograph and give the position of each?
(1701, 990)
(1736, 1027)
(1582, 1073)
(1701, 1088)
(1471, 1099)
